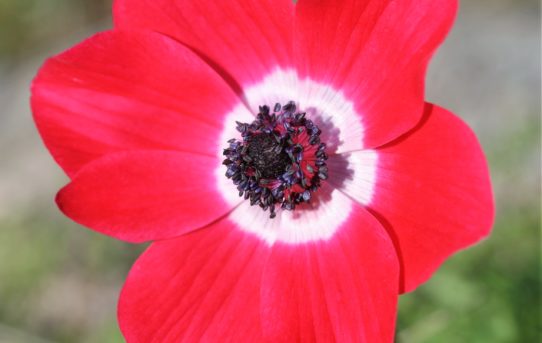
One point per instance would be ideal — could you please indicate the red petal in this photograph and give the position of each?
(433, 193)
(123, 90)
(340, 290)
(246, 39)
(201, 287)
(376, 52)
(145, 195)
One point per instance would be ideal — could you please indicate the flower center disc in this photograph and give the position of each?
(280, 159)
(268, 157)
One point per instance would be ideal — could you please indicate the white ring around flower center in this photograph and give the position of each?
(349, 173)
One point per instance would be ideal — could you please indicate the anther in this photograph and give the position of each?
(266, 165)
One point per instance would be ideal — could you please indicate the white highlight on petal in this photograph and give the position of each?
(318, 220)
(354, 174)
(342, 131)
(327, 107)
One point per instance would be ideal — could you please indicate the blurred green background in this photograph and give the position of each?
(59, 282)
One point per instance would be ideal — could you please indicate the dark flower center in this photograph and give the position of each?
(267, 155)
(280, 159)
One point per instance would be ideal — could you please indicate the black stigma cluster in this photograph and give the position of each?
(267, 165)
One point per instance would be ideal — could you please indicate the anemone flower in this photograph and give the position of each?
(279, 155)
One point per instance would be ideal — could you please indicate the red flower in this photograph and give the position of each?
(141, 119)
